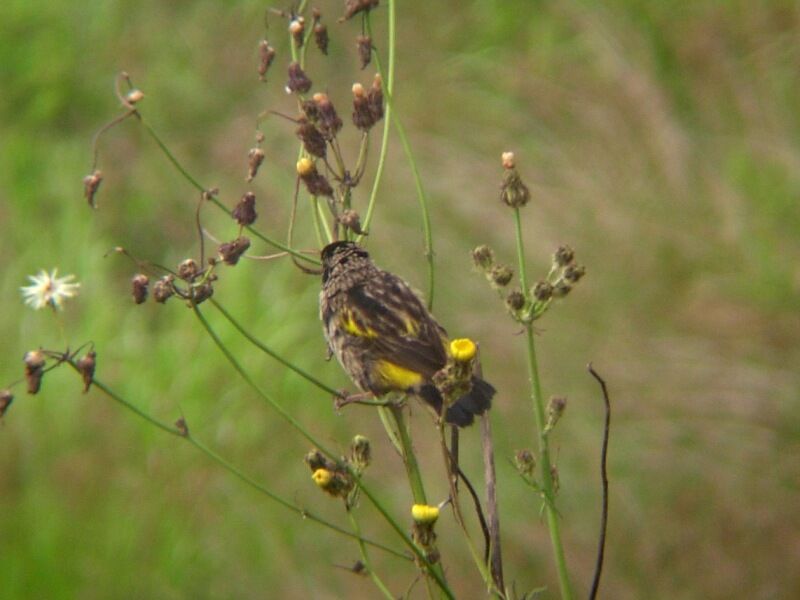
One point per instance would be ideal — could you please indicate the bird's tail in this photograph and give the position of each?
(462, 413)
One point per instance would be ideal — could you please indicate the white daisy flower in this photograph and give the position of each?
(49, 290)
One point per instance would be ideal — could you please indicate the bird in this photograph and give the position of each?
(383, 335)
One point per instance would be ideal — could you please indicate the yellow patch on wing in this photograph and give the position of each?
(398, 377)
(351, 326)
(412, 327)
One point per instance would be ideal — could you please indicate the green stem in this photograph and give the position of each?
(229, 467)
(267, 350)
(365, 557)
(537, 399)
(409, 458)
(197, 185)
(388, 120)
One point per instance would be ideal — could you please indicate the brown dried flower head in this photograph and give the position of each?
(313, 141)
(86, 367)
(298, 80)
(328, 120)
(351, 220)
(231, 252)
(91, 183)
(254, 159)
(297, 28)
(34, 370)
(139, 285)
(245, 211)
(6, 398)
(266, 57)
(164, 289)
(316, 183)
(188, 269)
(353, 7)
(364, 46)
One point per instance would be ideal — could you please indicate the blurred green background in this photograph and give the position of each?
(660, 139)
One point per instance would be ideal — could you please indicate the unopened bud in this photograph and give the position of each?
(350, 219)
(424, 514)
(483, 256)
(500, 275)
(555, 408)
(563, 256)
(543, 291)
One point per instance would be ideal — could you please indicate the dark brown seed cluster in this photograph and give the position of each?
(245, 211)
(364, 46)
(254, 159)
(267, 56)
(353, 7)
(298, 80)
(321, 38)
(367, 106)
(139, 290)
(164, 289)
(86, 367)
(351, 220)
(316, 183)
(34, 370)
(231, 252)
(327, 119)
(298, 28)
(313, 141)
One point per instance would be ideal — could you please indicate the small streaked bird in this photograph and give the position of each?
(384, 337)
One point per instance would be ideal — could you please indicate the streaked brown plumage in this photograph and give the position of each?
(383, 335)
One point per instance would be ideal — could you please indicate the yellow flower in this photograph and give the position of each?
(424, 514)
(322, 477)
(463, 350)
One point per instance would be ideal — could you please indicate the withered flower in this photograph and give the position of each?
(86, 367)
(267, 56)
(245, 212)
(298, 80)
(231, 252)
(139, 285)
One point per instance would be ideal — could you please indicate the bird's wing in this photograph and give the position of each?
(389, 318)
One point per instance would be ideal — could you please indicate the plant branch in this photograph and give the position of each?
(601, 544)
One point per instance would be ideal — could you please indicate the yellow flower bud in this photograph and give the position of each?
(322, 477)
(424, 514)
(463, 350)
(305, 166)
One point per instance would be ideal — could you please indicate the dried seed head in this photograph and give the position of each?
(245, 212)
(182, 427)
(188, 269)
(163, 289)
(201, 293)
(555, 408)
(86, 367)
(350, 219)
(500, 275)
(321, 37)
(375, 97)
(91, 183)
(139, 287)
(266, 57)
(317, 460)
(515, 301)
(310, 110)
(133, 97)
(254, 159)
(328, 120)
(513, 190)
(360, 452)
(34, 370)
(364, 45)
(6, 398)
(543, 291)
(297, 28)
(353, 7)
(316, 183)
(313, 141)
(563, 256)
(231, 252)
(298, 81)
(561, 289)
(525, 462)
(483, 257)
(363, 117)
(508, 160)
(573, 273)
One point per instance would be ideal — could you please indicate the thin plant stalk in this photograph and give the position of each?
(362, 548)
(537, 399)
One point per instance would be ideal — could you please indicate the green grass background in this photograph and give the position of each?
(660, 139)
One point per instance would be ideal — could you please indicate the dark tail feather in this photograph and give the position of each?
(462, 413)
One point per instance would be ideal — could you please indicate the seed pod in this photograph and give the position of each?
(163, 289)
(86, 367)
(500, 275)
(188, 269)
(353, 7)
(139, 287)
(573, 273)
(313, 141)
(543, 291)
(515, 301)
(297, 28)
(34, 370)
(267, 56)
(254, 159)
(375, 97)
(328, 120)
(91, 183)
(231, 252)
(363, 118)
(483, 257)
(298, 81)
(364, 45)
(350, 219)
(563, 256)
(245, 212)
